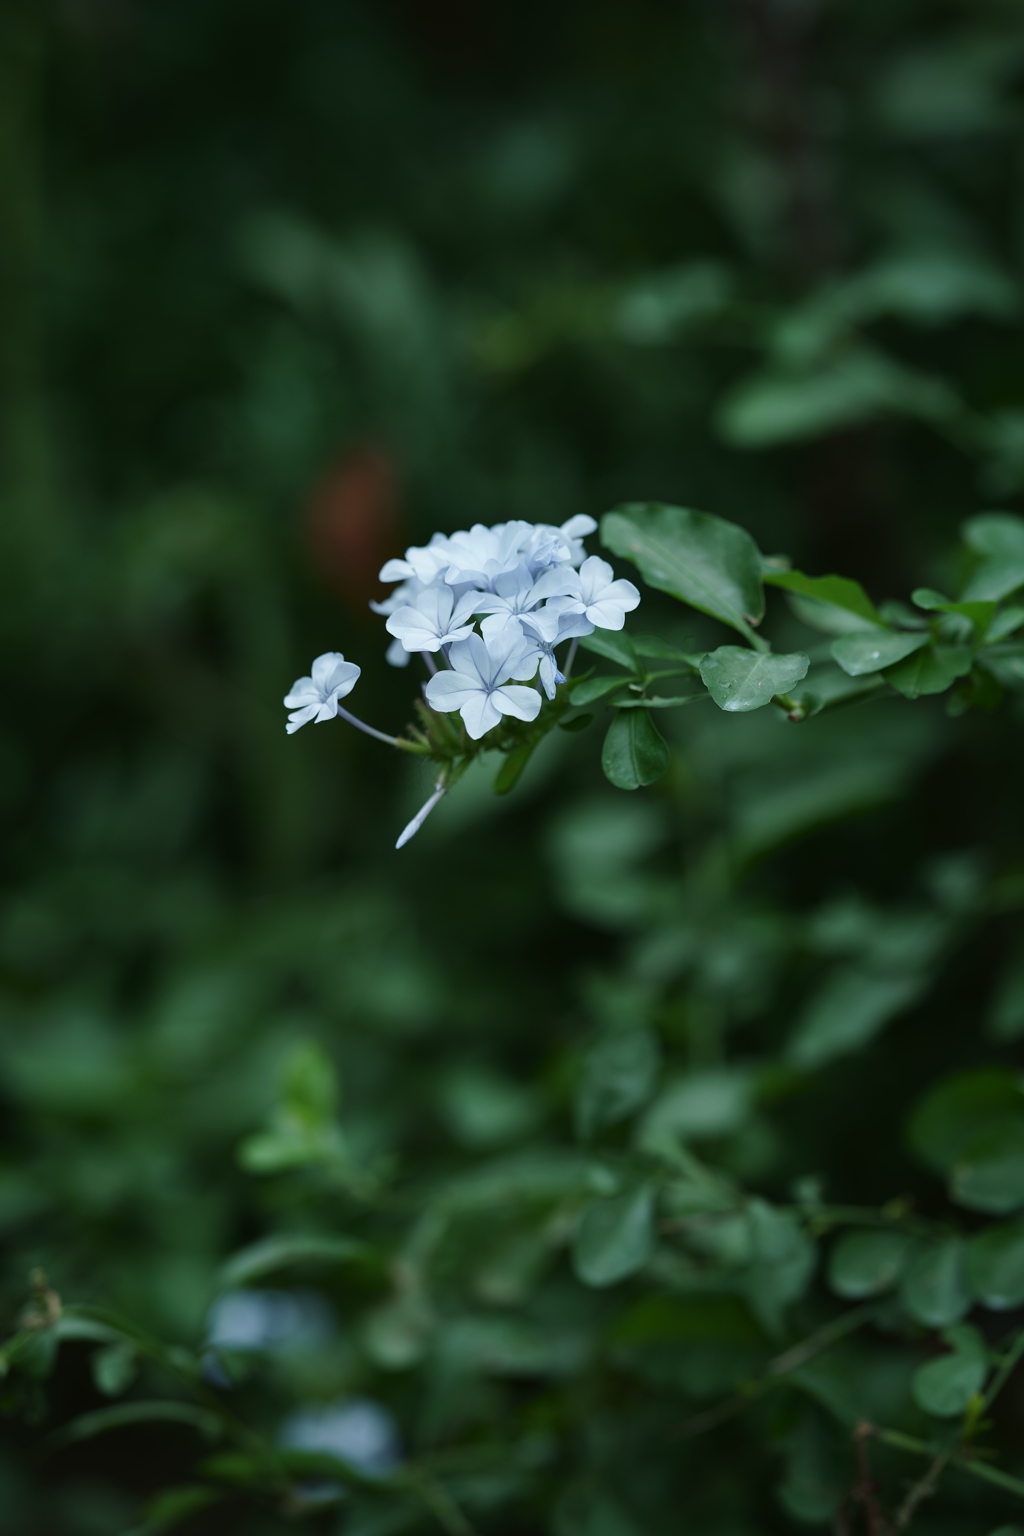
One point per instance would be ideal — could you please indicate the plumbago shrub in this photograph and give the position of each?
(505, 609)
(642, 1313)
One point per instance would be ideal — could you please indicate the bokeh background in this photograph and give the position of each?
(284, 288)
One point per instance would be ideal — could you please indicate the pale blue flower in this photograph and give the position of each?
(359, 1432)
(549, 626)
(596, 594)
(479, 684)
(434, 619)
(517, 592)
(316, 697)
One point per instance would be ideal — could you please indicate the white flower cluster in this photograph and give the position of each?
(529, 587)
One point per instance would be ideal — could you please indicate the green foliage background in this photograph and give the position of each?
(586, 1109)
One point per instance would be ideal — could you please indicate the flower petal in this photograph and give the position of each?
(524, 703)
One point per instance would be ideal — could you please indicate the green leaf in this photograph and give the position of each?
(634, 751)
(1005, 663)
(952, 1114)
(989, 1174)
(703, 1104)
(577, 723)
(273, 1253)
(614, 646)
(867, 1263)
(1000, 539)
(592, 688)
(861, 653)
(615, 1237)
(114, 1367)
(944, 1387)
(1005, 622)
(782, 1261)
(785, 404)
(995, 1266)
(510, 772)
(930, 671)
(980, 614)
(104, 1419)
(740, 680)
(619, 1074)
(176, 1504)
(713, 565)
(657, 702)
(850, 1007)
(934, 1289)
(839, 591)
(654, 647)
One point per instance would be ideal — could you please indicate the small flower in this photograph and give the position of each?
(422, 562)
(549, 626)
(516, 592)
(316, 697)
(433, 619)
(479, 686)
(597, 595)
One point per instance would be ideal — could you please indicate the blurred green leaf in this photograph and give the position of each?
(104, 1419)
(934, 1289)
(618, 1077)
(980, 614)
(837, 591)
(849, 1009)
(989, 1172)
(273, 1253)
(595, 688)
(1005, 663)
(615, 1237)
(995, 1265)
(999, 539)
(959, 1109)
(867, 1263)
(944, 1387)
(930, 671)
(617, 647)
(784, 405)
(114, 1368)
(858, 654)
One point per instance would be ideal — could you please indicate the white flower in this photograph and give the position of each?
(479, 686)
(421, 563)
(433, 619)
(597, 594)
(401, 597)
(516, 592)
(359, 1432)
(483, 554)
(396, 654)
(316, 697)
(550, 627)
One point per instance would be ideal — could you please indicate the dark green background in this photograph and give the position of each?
(285, 287)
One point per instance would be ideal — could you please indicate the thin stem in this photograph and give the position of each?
(429, 662)
(790, 1360)
(392, 741)
(573, 648)
(421, 816)
(1010, 1361)
(925, 1487)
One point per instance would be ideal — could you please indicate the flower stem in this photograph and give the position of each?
(574, 647)
(421, 815)
(429, 662)
(392, 741)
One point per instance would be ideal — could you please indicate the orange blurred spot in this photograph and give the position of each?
(352, 525)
